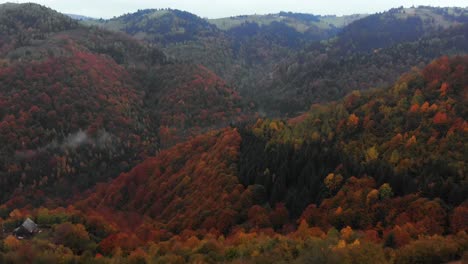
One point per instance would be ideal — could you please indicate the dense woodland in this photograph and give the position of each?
(284, 138)
(286, 62)
(243, 50)
(82, 104)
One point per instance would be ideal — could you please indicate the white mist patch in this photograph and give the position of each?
(80, 138)
(102, 140)
(76, 140)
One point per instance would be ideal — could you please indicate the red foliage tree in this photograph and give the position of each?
(459, 219)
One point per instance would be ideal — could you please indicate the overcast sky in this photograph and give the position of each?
(224, 8)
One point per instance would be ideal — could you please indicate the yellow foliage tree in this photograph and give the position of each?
(400, 88)
(341, 244)
(356, 243)
(395, 157)
(372, 154)
(385, 191)
(315, 136)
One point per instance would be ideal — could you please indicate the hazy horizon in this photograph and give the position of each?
(218, 9)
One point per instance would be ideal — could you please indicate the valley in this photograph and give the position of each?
(163, 137)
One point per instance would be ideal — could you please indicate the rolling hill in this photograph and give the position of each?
(243, 50)
(160, 26)
(286, 59)
(409, 139)
(399, 136)
(298, 21)
(385, 168)
(80, 104)
(396, 26)
(370, 52)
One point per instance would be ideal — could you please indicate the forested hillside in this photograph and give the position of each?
(76, 115)
(412, 136)
(284, 138)
(161, 26)
(396, 26)
(379, 173)
(287, 61)
(80, 104)
(185, 105)
(312, 75)
(242, 50)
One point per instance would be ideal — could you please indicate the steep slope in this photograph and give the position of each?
(378, 176)
(68, 122)
(80, 104)
(70, 116)
(192, 103)
(412, 136)
(357, 177)
(190, 186)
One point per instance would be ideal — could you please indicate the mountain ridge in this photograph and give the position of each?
(251, 54)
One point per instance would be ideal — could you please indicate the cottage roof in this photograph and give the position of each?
(29, 225)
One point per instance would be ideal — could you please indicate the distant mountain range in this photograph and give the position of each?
(186, 26)
(253, 53)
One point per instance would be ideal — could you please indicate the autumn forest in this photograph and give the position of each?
(163, 137)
